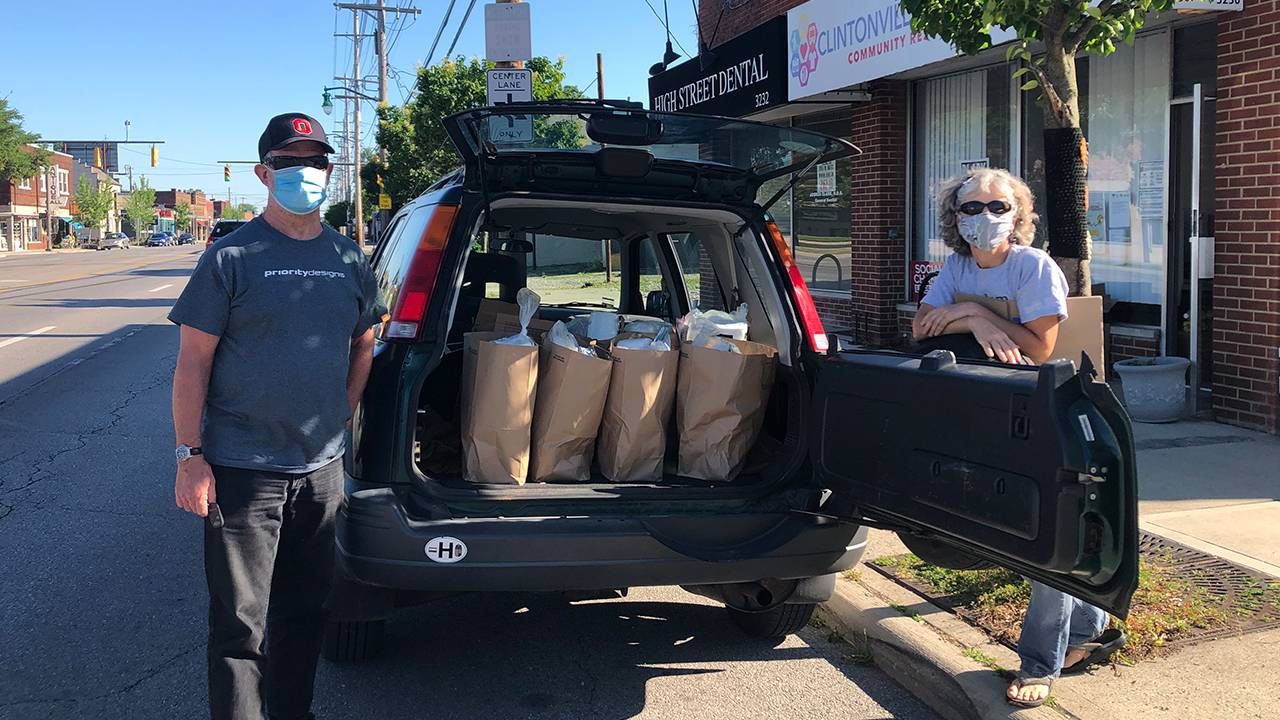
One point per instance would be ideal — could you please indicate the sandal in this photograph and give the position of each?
(1099, 650)
(1021, 682)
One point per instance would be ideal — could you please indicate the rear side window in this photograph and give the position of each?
(225, 228)
(392, 263)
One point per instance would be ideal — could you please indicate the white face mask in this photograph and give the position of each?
(986, 231)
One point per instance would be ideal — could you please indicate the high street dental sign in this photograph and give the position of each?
(745, 75)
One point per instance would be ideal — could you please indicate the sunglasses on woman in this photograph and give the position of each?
(280, 162)
(975, 207)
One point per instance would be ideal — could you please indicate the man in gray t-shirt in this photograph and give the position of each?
(276, 341)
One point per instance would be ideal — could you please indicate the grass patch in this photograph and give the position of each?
(577, 285)
(1166, 605)
(853, 574)
(989, 662)
(905, 611)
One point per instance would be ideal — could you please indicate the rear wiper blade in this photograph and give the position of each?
(795, 177)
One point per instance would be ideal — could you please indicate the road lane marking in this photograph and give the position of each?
(24, 336)
(162, 287)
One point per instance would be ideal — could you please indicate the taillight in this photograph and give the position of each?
(809, 320)
(420, 278)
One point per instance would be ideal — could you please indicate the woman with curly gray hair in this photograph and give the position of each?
(987, 220)
(986, 217)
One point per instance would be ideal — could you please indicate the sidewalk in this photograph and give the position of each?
(1208, 486)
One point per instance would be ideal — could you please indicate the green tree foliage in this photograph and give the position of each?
(141, 206)
(16, 159)
(93, 204)
(1060, 29)
(182, 216)
(418, 151)
(336, 213)
(237, 211)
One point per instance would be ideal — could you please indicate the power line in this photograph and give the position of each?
(443, 22)
(665, 27)
(463, 24)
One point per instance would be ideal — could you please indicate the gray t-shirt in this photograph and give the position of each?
(286, 311)
(1029, 277)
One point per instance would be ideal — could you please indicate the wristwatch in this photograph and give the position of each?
(185, 452)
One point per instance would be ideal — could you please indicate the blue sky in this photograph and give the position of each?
(205, 76)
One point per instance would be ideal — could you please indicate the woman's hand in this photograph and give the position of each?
(995, 342)
(936, 322)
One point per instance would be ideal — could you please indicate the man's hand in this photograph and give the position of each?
(194, 489)
(994, 341)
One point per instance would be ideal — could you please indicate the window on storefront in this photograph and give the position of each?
(24, 184)
(821, 227)
(1123, 105)
(958, 121)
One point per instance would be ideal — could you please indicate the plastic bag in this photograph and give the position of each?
(578, 325)
(661, 342)
(602, 326)
(528, 302)
(717, 343)
(645, 327)
(715, 322)
(560, 335)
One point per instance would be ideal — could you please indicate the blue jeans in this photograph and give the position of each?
(1054, 621)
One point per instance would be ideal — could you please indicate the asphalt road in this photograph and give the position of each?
(102, 598)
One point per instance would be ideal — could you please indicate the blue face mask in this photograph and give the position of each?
(299, 190)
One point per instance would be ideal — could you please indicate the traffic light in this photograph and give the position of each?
(380, 185)
(226, 173)
(155, 156)
(97, 157)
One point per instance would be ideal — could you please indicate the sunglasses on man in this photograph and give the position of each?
(975, 207)
(280, 162)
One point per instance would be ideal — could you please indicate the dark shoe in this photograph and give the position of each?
(1100, 649)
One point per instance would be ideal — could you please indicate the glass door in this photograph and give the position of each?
(1189, 312)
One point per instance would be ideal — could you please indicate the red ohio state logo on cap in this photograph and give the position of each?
(301, 126)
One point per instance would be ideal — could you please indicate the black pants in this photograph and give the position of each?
(269, 570)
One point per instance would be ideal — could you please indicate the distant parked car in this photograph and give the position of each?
(112, 240)
(222, 228)
(186, 239)
(160, 239)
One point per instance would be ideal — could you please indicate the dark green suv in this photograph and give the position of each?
(1029, 468)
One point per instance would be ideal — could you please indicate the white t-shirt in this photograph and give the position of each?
(1028, 276)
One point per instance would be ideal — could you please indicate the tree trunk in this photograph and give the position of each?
(1066, 171)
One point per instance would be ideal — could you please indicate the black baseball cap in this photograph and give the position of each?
(288, 129)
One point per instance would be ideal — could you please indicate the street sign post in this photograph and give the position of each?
(506, 32)
(508, 85)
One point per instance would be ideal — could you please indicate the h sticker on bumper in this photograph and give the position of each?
(446, 549)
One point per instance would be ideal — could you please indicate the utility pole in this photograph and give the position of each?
(50, 180)
(355, 28)
(608, 244)
(380, 11)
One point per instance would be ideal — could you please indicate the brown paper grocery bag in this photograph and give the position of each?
(633, 431)
(572, 388)
(720, 403)
(498, 385)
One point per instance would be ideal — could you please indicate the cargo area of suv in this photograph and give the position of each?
(607, 208)
(674, 257)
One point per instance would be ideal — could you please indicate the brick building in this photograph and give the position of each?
(1193, 102)
(25, 205)
(201, 207)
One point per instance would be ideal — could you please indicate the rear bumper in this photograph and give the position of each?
(379, 544)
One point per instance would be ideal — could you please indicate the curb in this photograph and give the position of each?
(918, 645)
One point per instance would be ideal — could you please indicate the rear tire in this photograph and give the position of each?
(775, 623)
(353, 641)
(942, 554)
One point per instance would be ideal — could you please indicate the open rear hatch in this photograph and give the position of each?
(606, 148)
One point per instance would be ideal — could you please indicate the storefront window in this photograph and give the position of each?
(1123, 105)
(822, 227)
(814, 217)
(959, 121)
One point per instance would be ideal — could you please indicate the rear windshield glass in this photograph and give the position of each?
(758, 148)
(225, 228)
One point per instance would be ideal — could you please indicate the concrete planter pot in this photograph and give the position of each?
(1155, 389)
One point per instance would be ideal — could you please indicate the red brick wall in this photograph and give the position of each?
(735, 21)
(1246, 286)
(878, 263)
